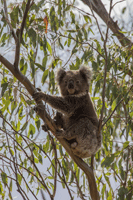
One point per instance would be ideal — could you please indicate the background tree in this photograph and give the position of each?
(37, 38)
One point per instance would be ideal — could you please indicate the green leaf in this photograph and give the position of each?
(40, 159)
(32, 36)
(23, 66)
(69, 40)
(126, 144)
(86, 17)
(24, 126)
(65, 166)
(19, 178)
(1, 188)
(40, 66)
(122, 192)
(103, 190)
(113, 104)
(60, 150)
(11, 151)
(4, 178)
(7, 103)
(59, 41)
(94, 65)
(44, 61)
(13, 106)
(4, 85)
(53, 19)
(32, 67)
(31, 131)
(72, 17)
(44, 77)
(36, 160)
(37, 122)
(49, 48)
(74, 50)
(77, 62)
(52, 79)
(107, 161)
(14, 16)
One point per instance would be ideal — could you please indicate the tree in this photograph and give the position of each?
(36, 38)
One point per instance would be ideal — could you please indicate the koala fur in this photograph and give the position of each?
(76, 113)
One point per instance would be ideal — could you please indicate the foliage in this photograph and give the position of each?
(71, 39)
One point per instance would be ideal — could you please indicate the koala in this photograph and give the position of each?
(76, 114)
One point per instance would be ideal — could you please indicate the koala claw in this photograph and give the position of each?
(74, 144)
(39, 107)
(59, 134)
(38, 96)
(45, 127)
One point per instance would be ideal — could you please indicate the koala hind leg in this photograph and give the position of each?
(59, 121)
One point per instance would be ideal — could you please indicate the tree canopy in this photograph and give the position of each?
(36, 38)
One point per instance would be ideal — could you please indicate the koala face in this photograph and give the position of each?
(73, 82)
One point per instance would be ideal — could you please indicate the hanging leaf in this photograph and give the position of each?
(46, 23)
(44, 77)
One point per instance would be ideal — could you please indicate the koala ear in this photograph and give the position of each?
(86, 73)
(59, 75)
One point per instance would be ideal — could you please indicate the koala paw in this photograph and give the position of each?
(45, 127)
(58, 119)
(74, 144)
(39, 108)
(38, 96)
(59, 134)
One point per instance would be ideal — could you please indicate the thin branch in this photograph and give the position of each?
(32, 161)
(117, 174)
(105, 72)
(127, 167)
(65, 181)
(99, 8)
(118, 2)
(55, 166)
(6, 17)
(77, 182)
(23, 79)
(86, 43)
(28, 171)
(116, 107)
(27, 184)
(53, 128)
(97, 23)
(19, 39)
(28, 6)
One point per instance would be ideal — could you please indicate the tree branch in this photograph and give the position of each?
(105, 73)
(20, 33)
(116, 107)
(99, 8)
(42, 113)
(6, 17)
(24, 17)
(46, 118)
(23, 79)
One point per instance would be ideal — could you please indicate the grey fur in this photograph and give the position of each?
(77, 114)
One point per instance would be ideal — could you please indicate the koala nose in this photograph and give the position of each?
(70, 84)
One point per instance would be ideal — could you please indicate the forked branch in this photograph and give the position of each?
(101, 11)
(46, 118)
(13, 68)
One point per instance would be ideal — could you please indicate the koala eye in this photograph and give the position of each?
(77, 81)
(65, 81)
